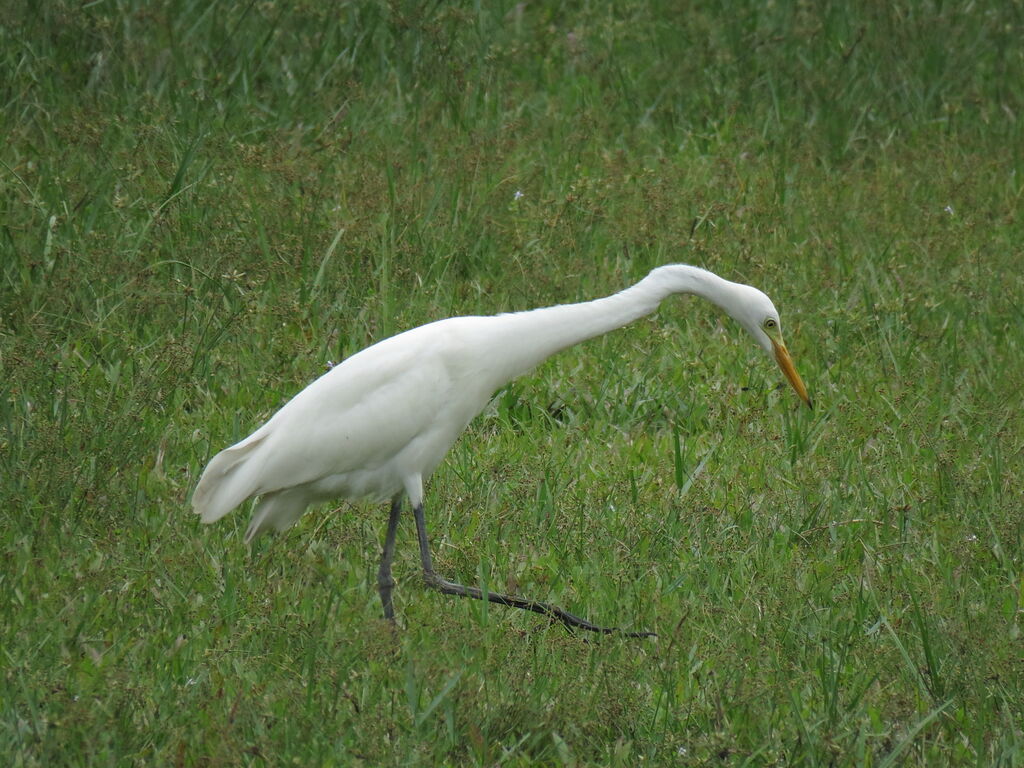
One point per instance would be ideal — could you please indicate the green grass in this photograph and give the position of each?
(201, 204)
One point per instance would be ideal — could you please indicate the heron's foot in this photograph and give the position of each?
(569, 620)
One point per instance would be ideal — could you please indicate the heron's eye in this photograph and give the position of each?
(769, 323)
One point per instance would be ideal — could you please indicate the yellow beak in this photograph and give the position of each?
(786, 364)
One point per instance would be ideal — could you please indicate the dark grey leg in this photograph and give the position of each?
(451, 588)
(384, 581)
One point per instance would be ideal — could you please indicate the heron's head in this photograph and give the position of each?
(754, 311)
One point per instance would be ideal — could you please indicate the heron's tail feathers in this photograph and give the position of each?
(277, 510)
(231, 477)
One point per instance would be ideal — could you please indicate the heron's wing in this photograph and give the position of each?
(358, 416)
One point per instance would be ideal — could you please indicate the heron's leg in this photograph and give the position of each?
(451, 588)
(384, 581)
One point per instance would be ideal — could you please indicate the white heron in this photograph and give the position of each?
(378, 424)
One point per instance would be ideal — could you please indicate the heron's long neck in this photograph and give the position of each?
(531, 337)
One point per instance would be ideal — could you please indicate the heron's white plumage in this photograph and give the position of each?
(379, 423)
(374, 425)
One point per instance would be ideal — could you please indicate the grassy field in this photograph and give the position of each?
(204, 204)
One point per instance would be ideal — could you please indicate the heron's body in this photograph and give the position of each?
(378, 424)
